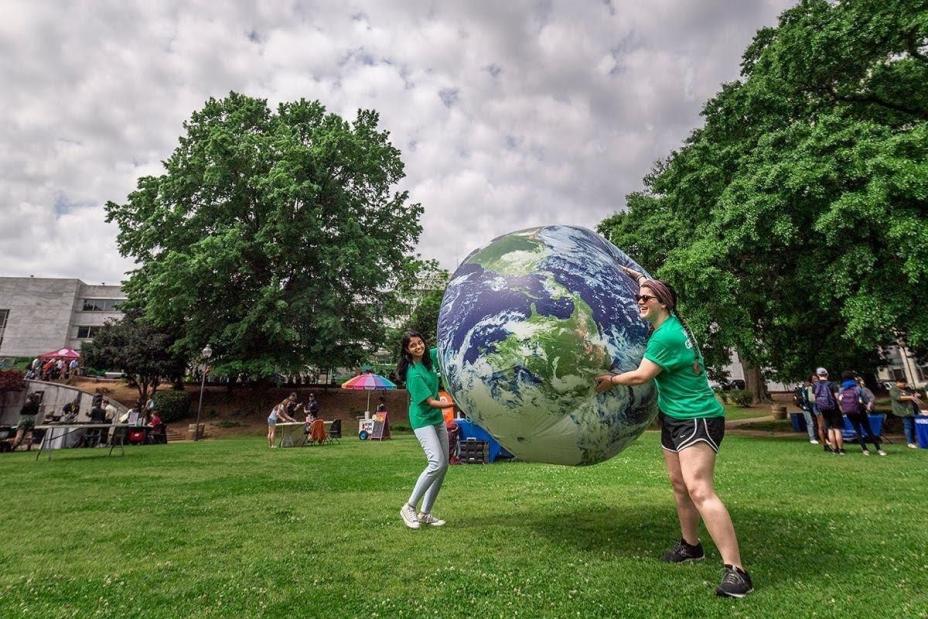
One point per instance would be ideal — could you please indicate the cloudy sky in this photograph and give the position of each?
(509, 114)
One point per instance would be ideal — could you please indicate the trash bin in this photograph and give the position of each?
(921, 431)
(798, 420)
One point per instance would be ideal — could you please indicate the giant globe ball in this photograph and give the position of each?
(526, 324)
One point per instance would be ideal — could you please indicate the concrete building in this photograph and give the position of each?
(902, 365)
(40, 314)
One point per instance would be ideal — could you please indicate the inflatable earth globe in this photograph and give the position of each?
(525, 326)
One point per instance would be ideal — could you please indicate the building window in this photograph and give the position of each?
(86, 332)
(102, 305)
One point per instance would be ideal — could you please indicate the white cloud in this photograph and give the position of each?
(508, 114)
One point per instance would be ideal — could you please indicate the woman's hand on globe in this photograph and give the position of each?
(635, 275)
(604, 383)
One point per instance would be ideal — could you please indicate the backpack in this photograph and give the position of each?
(800, 398)
(849, 400)
(824, 399)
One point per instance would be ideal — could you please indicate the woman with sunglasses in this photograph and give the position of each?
(692, 427)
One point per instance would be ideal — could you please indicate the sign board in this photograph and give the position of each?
(381, 428)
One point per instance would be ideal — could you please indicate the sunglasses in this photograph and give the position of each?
(644, 298)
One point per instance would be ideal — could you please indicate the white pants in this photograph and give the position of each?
(434, 441)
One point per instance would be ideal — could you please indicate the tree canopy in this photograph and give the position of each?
(794, 222)
(137, 348)
(275, 237)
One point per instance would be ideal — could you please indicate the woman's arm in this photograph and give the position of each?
(438, 403)
(644, 373)
(635, 275)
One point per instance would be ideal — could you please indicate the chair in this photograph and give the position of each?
(335, 431)
(315, 433)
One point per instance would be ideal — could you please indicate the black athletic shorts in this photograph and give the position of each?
(833, 419)
(678, 434)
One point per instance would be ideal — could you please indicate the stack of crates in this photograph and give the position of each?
(474, 451)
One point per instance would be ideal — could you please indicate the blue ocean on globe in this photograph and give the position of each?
(526, 324)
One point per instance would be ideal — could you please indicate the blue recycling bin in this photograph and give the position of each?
(876, 424)
(921, 431)
(798, 421)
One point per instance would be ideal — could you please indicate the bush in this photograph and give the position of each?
(741, 397)
(172, 405)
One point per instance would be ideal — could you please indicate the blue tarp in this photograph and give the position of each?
(468, 429)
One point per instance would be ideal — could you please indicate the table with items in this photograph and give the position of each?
(73, 434)
(293, 433)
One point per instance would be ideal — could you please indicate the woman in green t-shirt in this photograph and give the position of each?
(692, 427)
(418, 371)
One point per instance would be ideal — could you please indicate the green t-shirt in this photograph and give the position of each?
(681, 394)
(422, 384)
(901, 408)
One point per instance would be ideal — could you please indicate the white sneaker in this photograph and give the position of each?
(865, 452)
(431, 520)
(408, 514)
(881, 452)
(912, 446)
(813, 441)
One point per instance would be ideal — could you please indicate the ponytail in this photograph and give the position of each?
(698, 361)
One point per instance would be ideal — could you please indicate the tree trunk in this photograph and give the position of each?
(755, 384)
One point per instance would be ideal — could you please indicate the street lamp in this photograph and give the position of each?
(206, 353)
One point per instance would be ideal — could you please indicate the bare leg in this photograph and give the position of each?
(837, 438)
(821, 429)
(697, 464)
(687, 513)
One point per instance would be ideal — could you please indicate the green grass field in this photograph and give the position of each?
(230, 528)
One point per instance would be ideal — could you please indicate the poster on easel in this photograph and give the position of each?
(381, 429)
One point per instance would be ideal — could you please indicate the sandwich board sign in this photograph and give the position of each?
(381, 429)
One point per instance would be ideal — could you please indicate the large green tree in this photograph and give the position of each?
(275, 236)
(794, 222)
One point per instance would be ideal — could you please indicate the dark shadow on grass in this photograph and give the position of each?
(780, 545)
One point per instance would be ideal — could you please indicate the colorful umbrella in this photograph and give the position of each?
(368, 382)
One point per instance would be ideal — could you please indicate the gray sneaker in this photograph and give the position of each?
(408, 514)
(736, 583)
(683, 552)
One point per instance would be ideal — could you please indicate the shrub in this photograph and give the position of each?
(11, 380)
(172, 405)
(741, 397)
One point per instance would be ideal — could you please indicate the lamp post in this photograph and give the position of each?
(206, 353)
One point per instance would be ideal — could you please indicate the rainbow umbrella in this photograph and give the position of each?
(368, 382)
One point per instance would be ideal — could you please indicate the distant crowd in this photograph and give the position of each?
(825, 404)
(52, 369)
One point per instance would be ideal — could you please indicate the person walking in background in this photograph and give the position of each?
(853, 403)
(692, 429)
(904, 405)
(804, 402)
(27, 415)
(817, 414)
(417, 369)
(827, 403)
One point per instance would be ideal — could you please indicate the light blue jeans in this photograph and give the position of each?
(810, 424)
(434, 441)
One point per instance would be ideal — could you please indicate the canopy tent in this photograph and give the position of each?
(61, 353)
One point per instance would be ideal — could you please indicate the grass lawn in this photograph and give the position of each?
(230, 528)
(733, 412)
